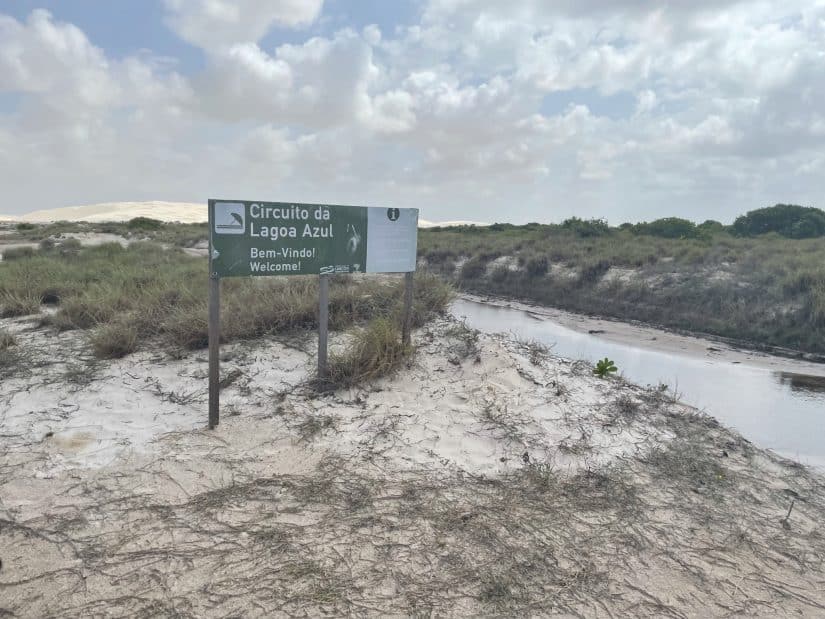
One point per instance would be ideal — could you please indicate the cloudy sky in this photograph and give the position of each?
(493, 110)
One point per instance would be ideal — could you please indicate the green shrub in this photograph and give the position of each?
(23, 226)
(586, 229)
(537, 266)
(669, 228)
(711, 226)
(143, 224)
(593, 272)
(474, 268)
(789, 220)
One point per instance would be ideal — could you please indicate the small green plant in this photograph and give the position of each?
(604, 368)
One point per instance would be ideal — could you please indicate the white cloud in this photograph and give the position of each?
(322, 82)
(48, 58)
(525, 110)
(215, 23)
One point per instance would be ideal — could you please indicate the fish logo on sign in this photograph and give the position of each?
(230, 218)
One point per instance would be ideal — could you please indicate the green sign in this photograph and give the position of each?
(276, 238)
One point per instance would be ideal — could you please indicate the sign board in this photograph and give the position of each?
(278, 238)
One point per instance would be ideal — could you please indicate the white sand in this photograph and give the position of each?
(183, 212)
(499, 481)
(458, 421)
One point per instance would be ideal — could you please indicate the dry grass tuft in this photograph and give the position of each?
(7, 340)
(18, 304)
(462, 343)
(313, 425)
(114, 341)
(374, 351)
(10, 356)
(689, 462)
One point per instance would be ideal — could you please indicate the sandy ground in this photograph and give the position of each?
(652, 338)
(486, 478)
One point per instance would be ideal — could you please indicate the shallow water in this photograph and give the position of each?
(782, 411)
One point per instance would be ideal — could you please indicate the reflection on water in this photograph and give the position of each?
(802, 383)
(779, 410)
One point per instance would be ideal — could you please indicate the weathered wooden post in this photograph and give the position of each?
(323, 324)
(406, 325)
(214, 346)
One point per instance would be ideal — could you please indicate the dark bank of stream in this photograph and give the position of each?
(777, 407)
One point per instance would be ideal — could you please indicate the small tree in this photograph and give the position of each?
(789, 220)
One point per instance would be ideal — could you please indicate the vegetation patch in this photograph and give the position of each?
(760, 281)
(146, 295)
(146, 228)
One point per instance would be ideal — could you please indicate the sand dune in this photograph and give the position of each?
(184, 212)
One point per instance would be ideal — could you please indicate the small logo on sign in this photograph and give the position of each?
(229, 218)
(353, 239)
(393, 214)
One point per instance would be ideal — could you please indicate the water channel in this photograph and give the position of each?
(777, 408)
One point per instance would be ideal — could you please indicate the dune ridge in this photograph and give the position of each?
(183, 212)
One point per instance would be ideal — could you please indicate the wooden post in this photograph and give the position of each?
(408, 301)
(323, 324)
(214, 348)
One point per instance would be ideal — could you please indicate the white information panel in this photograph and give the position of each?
(392, 240)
